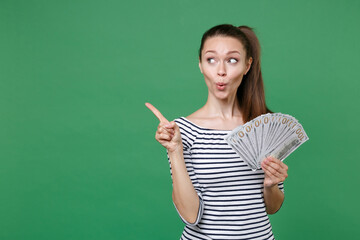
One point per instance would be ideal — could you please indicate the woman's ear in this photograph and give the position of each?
(248, 65)
(200, 66)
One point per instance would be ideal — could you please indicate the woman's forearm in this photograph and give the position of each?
(273, 198)
(184, 195)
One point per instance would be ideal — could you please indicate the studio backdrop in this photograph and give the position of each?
(78, 157)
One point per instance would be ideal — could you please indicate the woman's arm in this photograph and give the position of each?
(273, 198)
(184, 195)
(275, 172)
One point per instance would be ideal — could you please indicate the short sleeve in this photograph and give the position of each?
(188, 137)
(281, 186)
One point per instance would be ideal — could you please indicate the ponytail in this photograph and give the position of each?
(251, 94)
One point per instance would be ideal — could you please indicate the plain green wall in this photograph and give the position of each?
(78, 154)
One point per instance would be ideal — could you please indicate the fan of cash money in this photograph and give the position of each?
(274, 134)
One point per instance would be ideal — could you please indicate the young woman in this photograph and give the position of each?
(215, 193)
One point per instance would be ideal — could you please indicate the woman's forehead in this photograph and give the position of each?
(223, 44)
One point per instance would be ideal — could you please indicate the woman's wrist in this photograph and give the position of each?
(272, 188)
(175, 151)
(175, 155)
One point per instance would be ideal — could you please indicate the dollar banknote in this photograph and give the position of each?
(274, 134)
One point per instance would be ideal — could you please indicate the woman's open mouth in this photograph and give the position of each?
(220, 86)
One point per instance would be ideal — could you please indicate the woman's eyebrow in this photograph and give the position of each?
(233, 51)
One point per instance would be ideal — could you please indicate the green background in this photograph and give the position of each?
(78, 154)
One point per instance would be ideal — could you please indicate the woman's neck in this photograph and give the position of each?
(225, 109)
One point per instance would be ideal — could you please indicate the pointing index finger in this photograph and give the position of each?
(157, 113)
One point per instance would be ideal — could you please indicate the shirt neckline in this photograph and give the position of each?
(203, 128)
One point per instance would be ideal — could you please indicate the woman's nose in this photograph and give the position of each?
(221, 70)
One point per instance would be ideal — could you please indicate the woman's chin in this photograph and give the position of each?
(222, 95)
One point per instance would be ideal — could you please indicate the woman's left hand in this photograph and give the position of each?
(275, 171)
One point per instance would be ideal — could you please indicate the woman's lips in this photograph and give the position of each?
(220, 86)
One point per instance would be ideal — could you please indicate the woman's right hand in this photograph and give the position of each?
(167, 133)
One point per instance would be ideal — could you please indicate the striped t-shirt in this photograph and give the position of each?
(230, 193)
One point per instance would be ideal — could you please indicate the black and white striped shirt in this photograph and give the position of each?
(230, 193)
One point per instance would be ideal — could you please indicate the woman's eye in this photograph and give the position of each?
(211, 60)
(233, 60)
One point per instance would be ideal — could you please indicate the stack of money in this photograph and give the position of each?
(274, 134)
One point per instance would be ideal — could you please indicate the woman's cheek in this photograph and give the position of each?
(208, 82)
(236, 71)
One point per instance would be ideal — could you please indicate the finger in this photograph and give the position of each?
(277, 161)
(275, 164)
(284, 166)
(269, 174)
(169, 131)
(276, 170)
(164, 136)
(162, 128)
(273, 159)
(269, 170)
(280, 175)
(157, 113)
(164, 131)
(170, 125)
(271, 178)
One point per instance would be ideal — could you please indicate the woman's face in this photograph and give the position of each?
(223, 65)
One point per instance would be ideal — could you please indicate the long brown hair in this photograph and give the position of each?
(250, 93)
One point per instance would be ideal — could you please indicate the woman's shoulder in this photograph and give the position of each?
(189, 123)
(192, 121)
(198, 118)
(188, 130)
(201, 121)
(198, 123)
(195, 116)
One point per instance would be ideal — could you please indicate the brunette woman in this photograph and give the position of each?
(215, 193)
